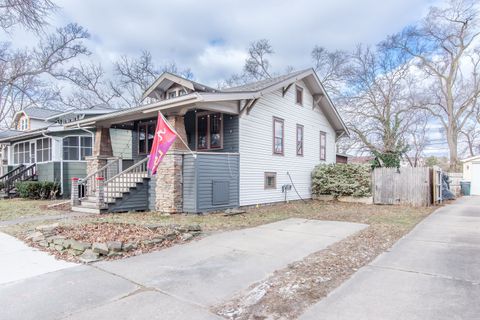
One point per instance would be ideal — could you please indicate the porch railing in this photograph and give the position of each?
(22, 174)
(11, 173)
(122, 182)
(88, 185)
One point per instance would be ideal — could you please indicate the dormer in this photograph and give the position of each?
(32, 118)
(170, 86)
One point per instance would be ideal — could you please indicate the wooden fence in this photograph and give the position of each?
(406, 185)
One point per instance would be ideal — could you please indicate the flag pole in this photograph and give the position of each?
(176, 133)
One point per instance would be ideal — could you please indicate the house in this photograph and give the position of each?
(38, 147)
(252, 144)
(342, 158)
(471, 172)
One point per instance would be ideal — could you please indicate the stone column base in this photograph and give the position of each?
(169, 184)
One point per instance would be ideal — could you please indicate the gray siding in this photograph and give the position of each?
(189, 184)
(201, 174)
(71, 170)
(135, 200)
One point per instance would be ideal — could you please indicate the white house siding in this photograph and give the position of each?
(256, 147)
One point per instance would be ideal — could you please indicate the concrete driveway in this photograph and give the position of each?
(432, 273)
(181, 282)
(19, 261)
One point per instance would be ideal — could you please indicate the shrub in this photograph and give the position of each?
(37, 189)
(342, 180)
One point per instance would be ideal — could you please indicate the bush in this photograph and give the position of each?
(342, 180)
(37, 189)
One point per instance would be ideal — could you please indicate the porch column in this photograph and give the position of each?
(169, 177)
(102, 150)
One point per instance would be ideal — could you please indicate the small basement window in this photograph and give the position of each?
(270, 180)
(299, 95)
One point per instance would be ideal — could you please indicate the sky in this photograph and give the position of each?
(211, 37)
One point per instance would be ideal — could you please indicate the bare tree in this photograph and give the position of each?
(31, 14)
(257, 65)
(331, 67)
(26, 76)
(444, 47)
(135, 75)
(378, 103)
(471, 134)
(417, 139)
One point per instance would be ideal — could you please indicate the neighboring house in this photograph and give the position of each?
(342, 158)
(471, 172)
(251, 143)
(40, 142)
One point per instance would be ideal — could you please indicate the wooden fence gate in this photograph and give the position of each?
(406, 185)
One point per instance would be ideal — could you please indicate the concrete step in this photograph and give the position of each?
(87, 210)
(88, 204)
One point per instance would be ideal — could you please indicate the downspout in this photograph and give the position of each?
(61, 161)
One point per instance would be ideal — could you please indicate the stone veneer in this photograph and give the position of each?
(169, 183)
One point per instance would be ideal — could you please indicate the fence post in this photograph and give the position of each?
(74, 194)
(100, 192)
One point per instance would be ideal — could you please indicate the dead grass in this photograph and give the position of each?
(12, 209)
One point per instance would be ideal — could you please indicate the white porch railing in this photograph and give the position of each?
(122, 182)
(88, 185)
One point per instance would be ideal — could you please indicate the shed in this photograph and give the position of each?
(471, 172)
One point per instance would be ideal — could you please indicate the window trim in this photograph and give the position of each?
(266, 175)
(209, 147)
(50, 149)
(280, 120)
(79, 147)
(299, 89)
(323, 146)
(299, 126)
(13, 152)
(145, 124)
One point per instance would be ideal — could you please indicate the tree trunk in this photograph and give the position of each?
(452, 139)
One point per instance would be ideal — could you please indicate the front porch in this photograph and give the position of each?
(204, 179)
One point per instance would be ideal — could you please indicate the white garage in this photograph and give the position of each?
(471, 172)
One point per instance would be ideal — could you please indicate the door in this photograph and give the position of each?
(475, 183)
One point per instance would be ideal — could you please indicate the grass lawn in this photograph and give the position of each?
(12, 209)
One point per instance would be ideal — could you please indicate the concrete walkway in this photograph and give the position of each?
(19, 261)
(62, 216)
(180, 282)
(433, 273)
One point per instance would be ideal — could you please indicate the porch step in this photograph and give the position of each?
(87, 210)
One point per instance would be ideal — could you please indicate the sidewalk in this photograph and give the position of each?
(432, 273)
(19, 261)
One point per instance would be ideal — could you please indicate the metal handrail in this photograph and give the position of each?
(88, 185)
(122, 182)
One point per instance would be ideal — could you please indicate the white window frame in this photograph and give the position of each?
(79, 147)
(27, 142)
(50, 141)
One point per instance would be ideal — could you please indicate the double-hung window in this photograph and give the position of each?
(278, 136)
(44, 150)
(146, 133)
(299, 141)
(209, 131)
(77, 148)
(323, 145)
(299, 95)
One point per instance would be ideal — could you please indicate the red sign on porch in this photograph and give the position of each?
(164, 138)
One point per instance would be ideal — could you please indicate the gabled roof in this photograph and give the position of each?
(203, 94)
(167, 79)
(471, 159)
(263, 84)
(39, 113)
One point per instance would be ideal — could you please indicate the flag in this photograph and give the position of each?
(163, 140)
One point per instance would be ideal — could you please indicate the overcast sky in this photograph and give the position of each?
(210, 37)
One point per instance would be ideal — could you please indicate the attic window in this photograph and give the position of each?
(182, 92)
(172, 94)
(299, 95)
(23, 123)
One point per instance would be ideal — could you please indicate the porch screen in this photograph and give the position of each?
(21, 153)
(44, 150)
